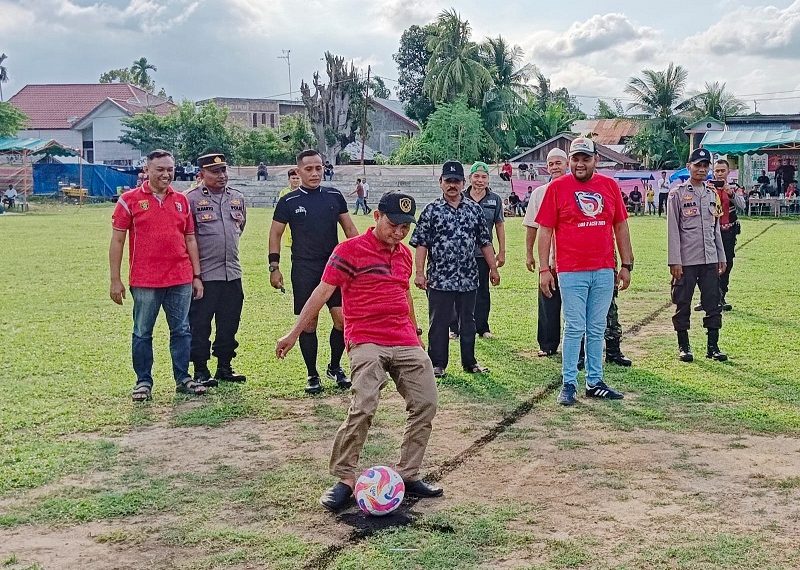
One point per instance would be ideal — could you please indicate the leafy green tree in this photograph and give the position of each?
(505, 100)
(659, 147)
(715, 101)
(606, 111)
(378, 89)
(412, 60)
(659, 94)
(296, 132)
(121, 75)
(537, 125)
(149, 131)
(264, 144)
(455, 69)
(3, 74)
(140, 75)
(453, 131)
(12, 120)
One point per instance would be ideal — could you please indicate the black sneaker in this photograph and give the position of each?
(603, 390)
(337, 497)
(202, 375)
(314, 385)
(568, 395)
(341, 378)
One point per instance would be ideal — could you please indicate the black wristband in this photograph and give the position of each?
(274, 257)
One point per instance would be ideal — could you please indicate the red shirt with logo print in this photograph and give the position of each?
(583, 215)
(374, 280)
(157, 244)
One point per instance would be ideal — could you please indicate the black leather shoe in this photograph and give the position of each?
(715, 353)
(698, 307)
(314, 385)
(420, 488)
(202, 375)
(337, 497)
(226, 373)
(619, 359)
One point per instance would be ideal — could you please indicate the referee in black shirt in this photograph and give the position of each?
(312, 212)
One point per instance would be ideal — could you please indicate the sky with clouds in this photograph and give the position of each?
(231, 48)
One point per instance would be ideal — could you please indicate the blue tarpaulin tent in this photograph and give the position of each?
(98, 179)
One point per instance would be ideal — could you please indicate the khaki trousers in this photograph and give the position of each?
(412, 372)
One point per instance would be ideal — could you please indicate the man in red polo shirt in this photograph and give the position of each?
(164, 270)
(373, 271)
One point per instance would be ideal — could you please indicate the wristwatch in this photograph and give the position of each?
(197, 277)
(273, 268)
(628, 266)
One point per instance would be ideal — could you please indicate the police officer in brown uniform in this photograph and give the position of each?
(696, 255)
(220, 215)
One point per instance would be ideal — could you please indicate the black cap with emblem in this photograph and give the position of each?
(699, 155)
(211, 160)
(452, 169)
(398, 207)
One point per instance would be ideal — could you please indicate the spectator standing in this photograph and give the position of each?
(651, 200)
(365, 184)
(360, 202)
(663, 191)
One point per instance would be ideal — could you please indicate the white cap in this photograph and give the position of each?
(556, 152)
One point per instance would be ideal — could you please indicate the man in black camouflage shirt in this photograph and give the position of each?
(447, 232)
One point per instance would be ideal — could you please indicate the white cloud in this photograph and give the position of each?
(397, 15)
(600, 32)
(754, 30)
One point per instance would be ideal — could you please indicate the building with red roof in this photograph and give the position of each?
(87, 116)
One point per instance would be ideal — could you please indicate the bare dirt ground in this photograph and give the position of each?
(579, 480)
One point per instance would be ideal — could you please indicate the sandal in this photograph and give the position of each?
(476, 368)
(142, 393)
(191, 387)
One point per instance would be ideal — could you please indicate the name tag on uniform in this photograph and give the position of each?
(491, 202)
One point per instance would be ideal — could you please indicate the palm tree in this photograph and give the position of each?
(139, 71)
(715, 102)
(3, 74)
(454, 68)
(537, 124)
(503, 103)
(658, 94)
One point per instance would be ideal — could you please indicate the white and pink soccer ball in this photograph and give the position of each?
(379, 490)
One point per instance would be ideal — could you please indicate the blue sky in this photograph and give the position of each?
(206, 48)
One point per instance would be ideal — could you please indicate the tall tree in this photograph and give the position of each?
(329, 108)
(455, 68)
(659, 94)
(504, 101)
(536, 125)
(715, 101)
(140, 73)
(296, 131)
(412, 60)
(12, 119)
(3, 74)
(606, 111)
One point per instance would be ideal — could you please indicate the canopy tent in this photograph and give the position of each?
(16, 165)
(748, 141)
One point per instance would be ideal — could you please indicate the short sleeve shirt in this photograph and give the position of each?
(157, 229)
(583, 215)
(492, 205)
(219, 222)
(530, 215)
(313, 217)
(374, 281)
(451, 235)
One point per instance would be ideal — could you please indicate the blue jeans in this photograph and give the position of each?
(147, 302)
(585, 299)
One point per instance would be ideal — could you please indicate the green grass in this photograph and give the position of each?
(66, 380)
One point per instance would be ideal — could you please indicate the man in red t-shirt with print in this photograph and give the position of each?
(373, 271)
(164, 270)
(585, 212)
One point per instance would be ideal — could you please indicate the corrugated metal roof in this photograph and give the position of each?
(606, 131)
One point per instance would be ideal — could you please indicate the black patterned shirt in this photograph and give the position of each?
(451, 235)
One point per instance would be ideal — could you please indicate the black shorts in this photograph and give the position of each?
(305, 278)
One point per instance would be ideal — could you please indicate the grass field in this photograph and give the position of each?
(699, 467)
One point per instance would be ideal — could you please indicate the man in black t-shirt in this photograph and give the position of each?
(313, 213)
(763, 179)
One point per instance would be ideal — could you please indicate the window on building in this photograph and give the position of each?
(272, 120)
(263, 118)
(255, 119)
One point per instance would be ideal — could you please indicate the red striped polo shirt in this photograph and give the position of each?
(374, 280)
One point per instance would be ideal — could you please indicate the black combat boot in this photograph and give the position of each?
(713, 350)
(226, 373)
(202, 375)
(684, 350)
(614, 354)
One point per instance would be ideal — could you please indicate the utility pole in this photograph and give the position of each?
(285, 56)
(755, 105)
(364, 123)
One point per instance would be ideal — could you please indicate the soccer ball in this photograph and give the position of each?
(379, 490)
